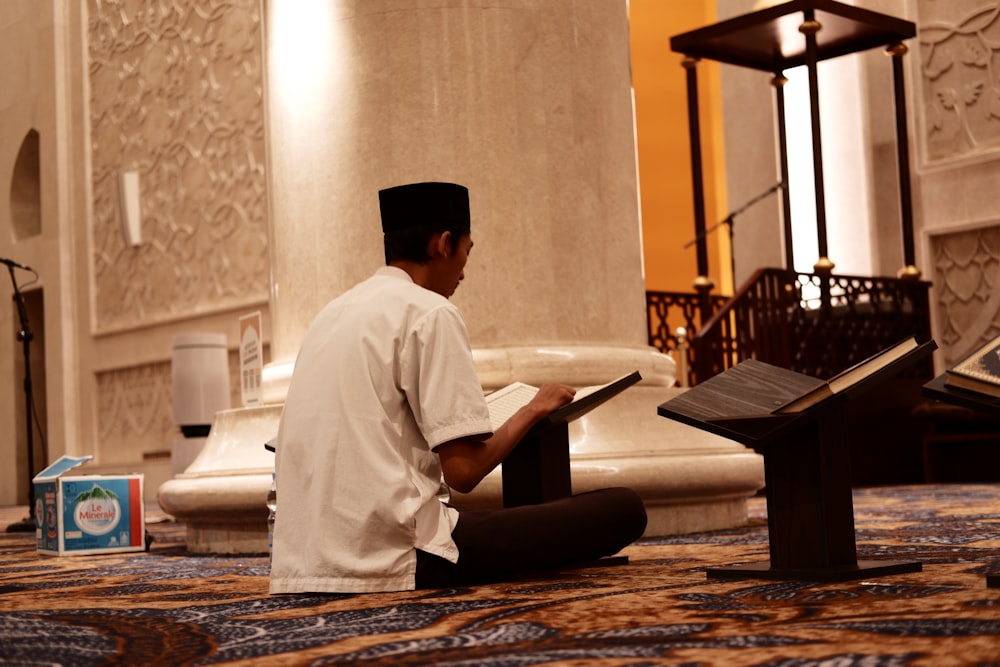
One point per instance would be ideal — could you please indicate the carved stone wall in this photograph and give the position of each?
(134, 412)
(960, 77)
(957, 72)
(175, 94)
(967, 273)
(135, 409)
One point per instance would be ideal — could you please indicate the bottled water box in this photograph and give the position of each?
(87, 514)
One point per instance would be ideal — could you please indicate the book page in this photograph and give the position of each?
(983, 364)
(504, 402)
(852, 375)
(583, 392)
(588, 398)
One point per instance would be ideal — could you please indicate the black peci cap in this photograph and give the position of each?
(443, 205)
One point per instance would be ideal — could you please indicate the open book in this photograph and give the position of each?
(979, 372)
(504, 402)
(850, 377)
(755, 389)
(753, 400)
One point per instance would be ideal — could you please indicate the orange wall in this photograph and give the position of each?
(667, 203)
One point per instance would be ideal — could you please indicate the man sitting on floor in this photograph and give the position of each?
(385, 412)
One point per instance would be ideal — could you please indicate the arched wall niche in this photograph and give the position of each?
(26, 191)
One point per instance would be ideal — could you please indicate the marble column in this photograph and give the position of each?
(529, 104)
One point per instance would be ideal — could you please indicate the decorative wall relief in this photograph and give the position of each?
(960, 78)
(134, 411)
(135, 408)
(176, 95)
(966, 280)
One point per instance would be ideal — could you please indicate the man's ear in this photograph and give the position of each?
(439, 245)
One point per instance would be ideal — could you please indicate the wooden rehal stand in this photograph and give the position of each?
(938, 389)
(810, 510)
(537, 470)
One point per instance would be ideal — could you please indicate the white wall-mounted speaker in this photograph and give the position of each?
(129, 207)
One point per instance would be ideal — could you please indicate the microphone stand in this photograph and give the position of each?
(27, 524)
(728, 222)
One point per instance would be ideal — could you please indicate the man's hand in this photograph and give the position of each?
(466, 461)
(550, 397)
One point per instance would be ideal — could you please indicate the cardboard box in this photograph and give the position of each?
(87, 514)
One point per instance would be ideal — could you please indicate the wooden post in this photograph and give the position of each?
(909, 270)
(537, 470)
(703, 284)
(809, 28)
(779, 82)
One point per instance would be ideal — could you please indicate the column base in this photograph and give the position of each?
(220, 496)
(690, 480)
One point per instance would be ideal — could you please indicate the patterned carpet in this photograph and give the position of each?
(168, 607)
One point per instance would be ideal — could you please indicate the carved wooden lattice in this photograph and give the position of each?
(667, 311)
(805, 322)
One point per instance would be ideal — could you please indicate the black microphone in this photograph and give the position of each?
(12, 263)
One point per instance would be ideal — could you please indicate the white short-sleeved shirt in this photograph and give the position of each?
(384, 375)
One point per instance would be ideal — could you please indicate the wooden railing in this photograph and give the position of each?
(667, 311)
(814, 324)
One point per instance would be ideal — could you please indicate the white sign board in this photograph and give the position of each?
(251, 359)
